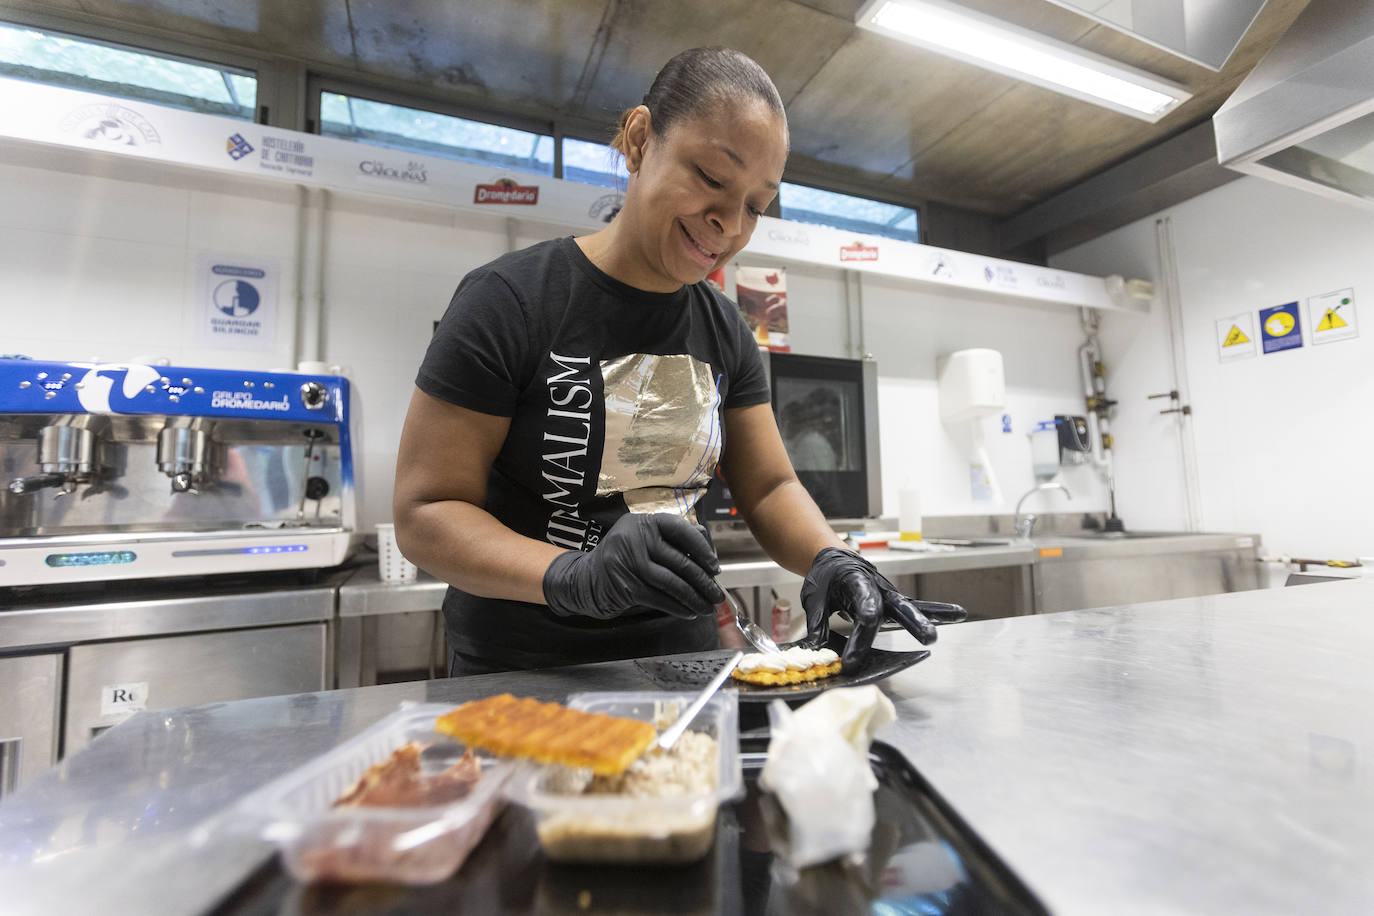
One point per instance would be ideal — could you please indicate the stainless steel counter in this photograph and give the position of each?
(365, 601)
(364, 594)
(891, 563)
(1203, 755)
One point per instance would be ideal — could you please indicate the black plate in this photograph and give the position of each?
(693, 672)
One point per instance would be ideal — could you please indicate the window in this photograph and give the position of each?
(841, 211)
(593, 163)
(428, 132)
(79, 63)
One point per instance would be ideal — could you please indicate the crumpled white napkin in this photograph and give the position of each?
(818, 768)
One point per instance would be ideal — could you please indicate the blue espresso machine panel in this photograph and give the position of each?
(131, 471)
(34, 387)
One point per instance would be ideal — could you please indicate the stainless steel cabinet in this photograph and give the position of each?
(108, 682)
(1150, 570)
(31, 687)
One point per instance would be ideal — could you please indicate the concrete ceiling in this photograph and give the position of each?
(866, 112)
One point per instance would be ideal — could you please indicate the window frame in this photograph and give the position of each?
(122, 39)
(289, 97)
(319, 83)
(849, 190)
(605, 143)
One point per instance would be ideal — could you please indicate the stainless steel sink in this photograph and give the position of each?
(972, 542)
(1089, 534)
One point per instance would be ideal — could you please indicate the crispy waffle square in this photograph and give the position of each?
(549, 733)
(790, 676)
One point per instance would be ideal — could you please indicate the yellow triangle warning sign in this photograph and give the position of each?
(1330, 321)
(1236, 337)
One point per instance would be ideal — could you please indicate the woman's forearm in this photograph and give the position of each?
(789, 527)
(466, 546)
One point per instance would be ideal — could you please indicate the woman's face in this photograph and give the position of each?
(697, 191)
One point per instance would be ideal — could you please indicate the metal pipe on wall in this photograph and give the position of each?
(1094, 391)
(1168, 265)
(310, 256)
(853, 314)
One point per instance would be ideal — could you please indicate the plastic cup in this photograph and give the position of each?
(391, 566)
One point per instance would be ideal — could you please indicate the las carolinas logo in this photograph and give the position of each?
(506, 191)
(859, 252)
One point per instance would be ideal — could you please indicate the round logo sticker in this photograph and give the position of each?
(236, 298)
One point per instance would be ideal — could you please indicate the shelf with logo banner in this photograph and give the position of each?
(101, 125)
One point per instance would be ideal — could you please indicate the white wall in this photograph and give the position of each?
(906, 328)
(94, 266)
(1284, 440)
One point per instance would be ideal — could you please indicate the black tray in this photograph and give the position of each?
(922, 859)
(693, 672)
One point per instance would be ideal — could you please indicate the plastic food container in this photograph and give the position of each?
(322, 843)
(627, 829)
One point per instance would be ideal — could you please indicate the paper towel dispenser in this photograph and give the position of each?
(971, 385)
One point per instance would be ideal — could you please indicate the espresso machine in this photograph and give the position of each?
(132, 472)
(169, 536)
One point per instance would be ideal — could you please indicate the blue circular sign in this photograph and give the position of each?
(236, 298)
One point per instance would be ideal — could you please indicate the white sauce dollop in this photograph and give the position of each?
(795, 659)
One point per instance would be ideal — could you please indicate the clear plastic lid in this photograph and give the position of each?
(412, 845)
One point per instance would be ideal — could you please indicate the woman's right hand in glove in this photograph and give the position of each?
(652, 561)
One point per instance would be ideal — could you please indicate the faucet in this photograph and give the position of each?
(1026, 524)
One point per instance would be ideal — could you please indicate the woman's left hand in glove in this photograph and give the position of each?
(843, 582)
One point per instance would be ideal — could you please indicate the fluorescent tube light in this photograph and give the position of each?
(1023, 54)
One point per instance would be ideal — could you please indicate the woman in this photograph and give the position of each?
(578, 394)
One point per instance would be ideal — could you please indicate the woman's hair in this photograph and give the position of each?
(696, 81)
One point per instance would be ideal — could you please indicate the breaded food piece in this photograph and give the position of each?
(549, 733)
(793, 666)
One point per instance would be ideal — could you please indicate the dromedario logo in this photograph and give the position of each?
(506, 191)
(859, 252)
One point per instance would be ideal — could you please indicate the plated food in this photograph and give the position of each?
(792, 666)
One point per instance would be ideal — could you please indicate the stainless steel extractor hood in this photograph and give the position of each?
(1305, 115)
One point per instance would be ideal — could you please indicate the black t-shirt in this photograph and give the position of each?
(615, 397)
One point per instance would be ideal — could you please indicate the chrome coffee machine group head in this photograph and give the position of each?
(131, 471)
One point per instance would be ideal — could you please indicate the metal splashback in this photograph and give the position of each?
(258, 477)
(112, 471)
(1304, 116)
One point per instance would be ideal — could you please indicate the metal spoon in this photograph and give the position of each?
(752, 632)
(670, 734)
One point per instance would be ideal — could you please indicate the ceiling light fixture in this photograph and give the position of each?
(1023, 54)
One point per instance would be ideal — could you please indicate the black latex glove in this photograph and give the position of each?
(656, 561)
(844, 582)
